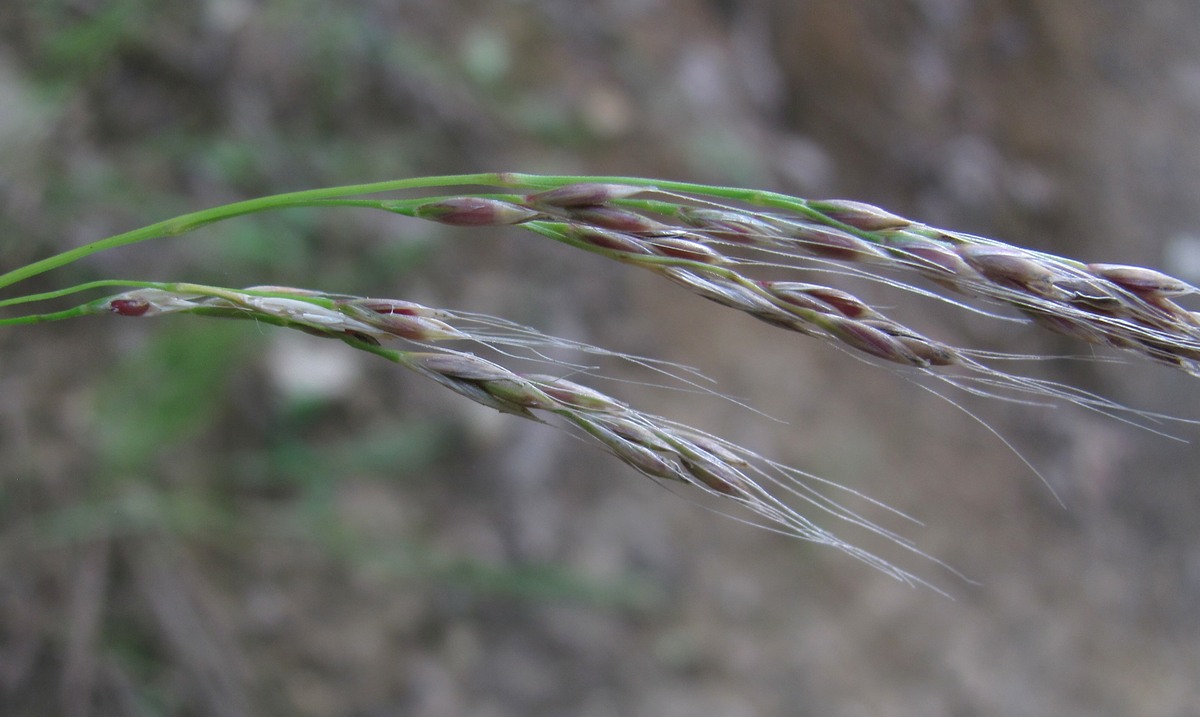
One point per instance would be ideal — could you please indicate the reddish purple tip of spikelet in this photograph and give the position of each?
(128, 307)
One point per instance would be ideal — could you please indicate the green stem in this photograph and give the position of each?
(336, 196)
(73, 313)
(194, 220)
(59, 293)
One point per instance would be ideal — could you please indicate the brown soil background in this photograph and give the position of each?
(183, 534)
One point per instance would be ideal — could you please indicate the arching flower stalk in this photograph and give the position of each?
(754, 251)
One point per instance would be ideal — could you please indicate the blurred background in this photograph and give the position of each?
(208, 519)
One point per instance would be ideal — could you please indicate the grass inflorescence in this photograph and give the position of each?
(727, 245)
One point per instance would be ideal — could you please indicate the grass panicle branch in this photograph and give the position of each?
(654, 446)
(682, 236)
(754, 251)
(686, 232)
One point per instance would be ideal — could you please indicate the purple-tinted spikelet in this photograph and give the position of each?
(859, 215)
(582, 195)
(474, 212)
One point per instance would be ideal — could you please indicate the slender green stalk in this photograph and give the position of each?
(317, 197)
(189, 222)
